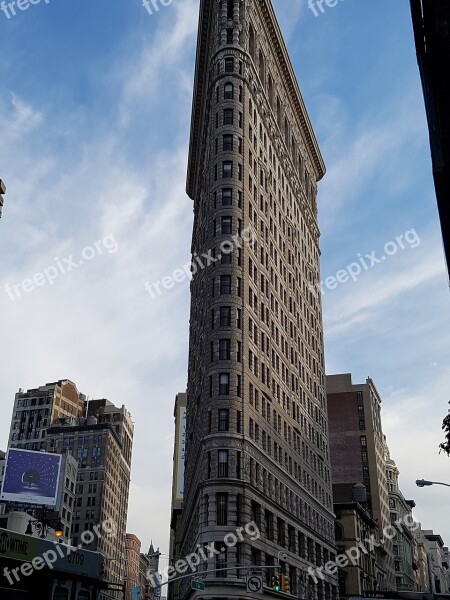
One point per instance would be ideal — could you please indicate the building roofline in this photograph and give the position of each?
(200, 83)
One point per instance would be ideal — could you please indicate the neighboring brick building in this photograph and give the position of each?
(357, 452)
(257, 432)
(133, 549)
(353, 526)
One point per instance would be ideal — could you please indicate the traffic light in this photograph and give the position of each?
(285, 584)
(276, 583)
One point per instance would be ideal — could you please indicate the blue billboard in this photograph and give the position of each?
(31, 477)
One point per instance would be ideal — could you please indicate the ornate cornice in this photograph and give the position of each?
(201, 87)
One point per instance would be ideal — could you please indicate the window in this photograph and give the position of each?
(224, 420)
(226, 225)
(221, 560)
(227, 143)
(362, 425)
(225, 316)
(224, 349)
(228, 91)
(363, 440)
(227, 196)
(225, 284)
(229, 65)
(224, 384)
(222, 508)
(223, 463)
(229, 36)
(228, 116)
(227, 169)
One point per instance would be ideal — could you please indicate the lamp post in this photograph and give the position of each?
(43, 525)
(425, 483)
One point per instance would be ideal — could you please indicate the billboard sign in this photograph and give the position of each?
(180, 445)
(31, 477)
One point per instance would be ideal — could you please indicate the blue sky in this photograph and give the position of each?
(95, 102)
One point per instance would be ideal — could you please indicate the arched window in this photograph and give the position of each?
(252, 46)
(339, 532)
(228, 91)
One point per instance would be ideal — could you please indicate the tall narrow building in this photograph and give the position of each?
(357, 447)
(257, 428)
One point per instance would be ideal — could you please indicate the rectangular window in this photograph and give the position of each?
(227, 143)
(228, 116)
(222, 508)
(229, 65)
(224, 384)
(222, 463)
(227, 169)
(225, 284)
(225, 316)
(221, 560)
(227, 197)
(226, 226)
(224, 419)
(224, 349)
(228, 91)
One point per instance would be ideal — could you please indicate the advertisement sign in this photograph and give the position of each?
(31, 477)
(180, 444)
(17, 546)
(61, 558)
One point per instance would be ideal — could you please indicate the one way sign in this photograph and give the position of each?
(254, 584)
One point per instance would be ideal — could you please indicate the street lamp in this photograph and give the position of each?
(43, 526)
(425, 483)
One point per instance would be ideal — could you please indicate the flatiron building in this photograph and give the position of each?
(257, 428)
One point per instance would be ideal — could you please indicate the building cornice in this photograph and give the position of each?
(201, 86)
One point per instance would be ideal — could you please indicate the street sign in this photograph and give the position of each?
(254, 584)
(197, 585)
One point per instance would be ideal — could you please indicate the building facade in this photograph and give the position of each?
(404, 544)
(437, 561)
(431, 20)
(257, 427)
(358, 453)
(177, 489)
(102, 444)
(37, 409)
(353, 526)
(133, 582)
